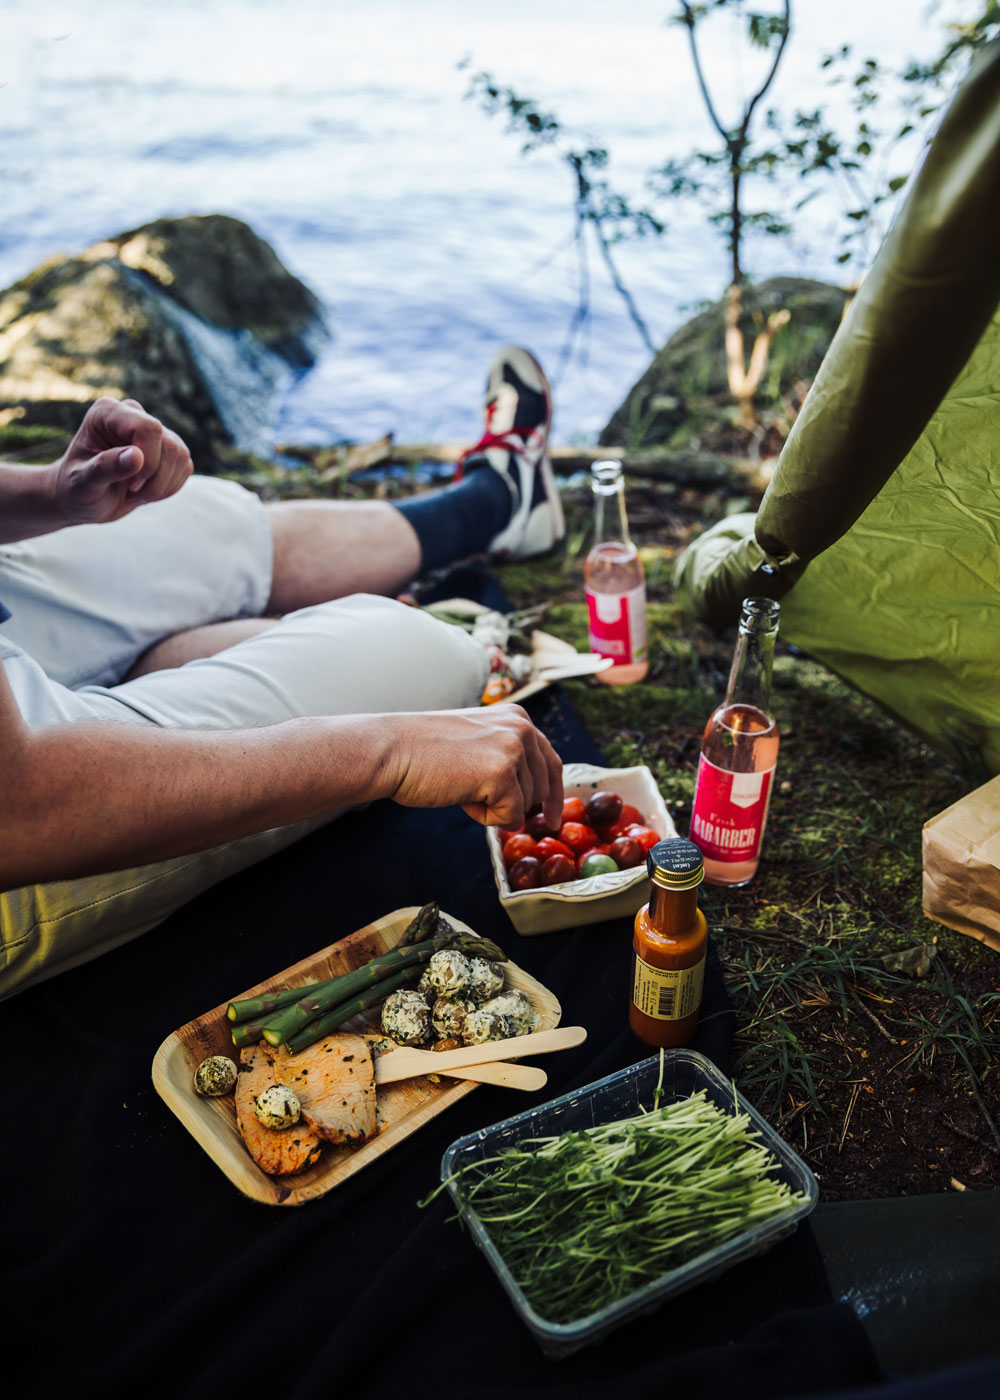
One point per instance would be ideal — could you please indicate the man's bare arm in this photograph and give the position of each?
(82, 799)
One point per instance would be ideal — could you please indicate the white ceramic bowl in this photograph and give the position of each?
(601, 897)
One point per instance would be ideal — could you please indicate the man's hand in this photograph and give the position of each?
(492, 762)
(120, 458)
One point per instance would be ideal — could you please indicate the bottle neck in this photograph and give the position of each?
(610, 517)
(753, 659)
(672, 912)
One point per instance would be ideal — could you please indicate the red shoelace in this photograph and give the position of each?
(507, 440)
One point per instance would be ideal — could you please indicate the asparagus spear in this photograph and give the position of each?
(247, 1033)
(422, 926)
(334, 1019)
(259, 1008)
(428, 923)
(285, 1023)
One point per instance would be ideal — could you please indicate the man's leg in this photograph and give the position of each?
(359, 655)
(89, 601)
(506, 502)
(197, 643)
(329, 549)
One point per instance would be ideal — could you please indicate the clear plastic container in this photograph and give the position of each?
(622, 1095)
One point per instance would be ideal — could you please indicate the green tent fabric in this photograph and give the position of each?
(880, 530)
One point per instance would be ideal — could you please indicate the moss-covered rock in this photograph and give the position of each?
(683, 398)
(195, 318)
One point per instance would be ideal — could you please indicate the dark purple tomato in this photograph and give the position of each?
(603, 809)
(525, 874)
(557, 870)
(625, 852)
(538, 827)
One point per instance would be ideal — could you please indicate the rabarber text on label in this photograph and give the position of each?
(730, 810)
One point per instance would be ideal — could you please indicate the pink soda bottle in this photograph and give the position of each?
(614, 582)
(739, 751)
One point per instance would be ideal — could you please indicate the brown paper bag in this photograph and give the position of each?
(962, 865)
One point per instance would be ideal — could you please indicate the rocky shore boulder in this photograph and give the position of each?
(683, 399)
(196, 317)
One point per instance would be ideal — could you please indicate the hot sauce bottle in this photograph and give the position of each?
(739, 751)
(671, 937)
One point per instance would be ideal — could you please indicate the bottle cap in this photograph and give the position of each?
(605, 476)
(760, 615)
(675, 864)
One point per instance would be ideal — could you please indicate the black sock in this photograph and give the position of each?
(459, 520)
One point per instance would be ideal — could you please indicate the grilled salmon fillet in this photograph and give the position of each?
(276, 1151)
(335, 1083)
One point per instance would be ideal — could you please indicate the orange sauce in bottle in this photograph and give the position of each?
(669, 946)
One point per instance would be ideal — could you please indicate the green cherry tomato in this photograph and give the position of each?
(596, 865)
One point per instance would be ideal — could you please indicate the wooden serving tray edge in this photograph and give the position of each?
(404, 1106)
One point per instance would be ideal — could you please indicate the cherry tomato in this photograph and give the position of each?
(625, 852)
(506, 832)
(573, 810)
(578, 837)
(594, 851)
(549, 846)
(603, 809)
(526, 874)
(538, 827)
(517, 848)
(644, 835)
(592, 864)
(557, 870)
(630, 816)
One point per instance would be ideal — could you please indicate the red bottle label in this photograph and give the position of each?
(730, 809)
(618, 625)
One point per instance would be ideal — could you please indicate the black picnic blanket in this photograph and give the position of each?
(133, 1266)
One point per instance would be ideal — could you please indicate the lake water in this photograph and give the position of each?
(341, 133)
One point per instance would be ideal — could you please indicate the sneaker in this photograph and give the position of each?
(515, 443)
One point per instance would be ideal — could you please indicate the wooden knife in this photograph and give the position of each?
(406, 1063)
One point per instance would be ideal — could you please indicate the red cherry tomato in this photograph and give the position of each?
(573, 810)
(538, 827)
(517, 848)
(506, 832)
(549, 846)
(557, 870)
(625, 852)
(578, 837)
(526, 874)
(594, 851)
(644, 835)
(603, 809)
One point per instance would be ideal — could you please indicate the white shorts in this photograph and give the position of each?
(87, 601)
